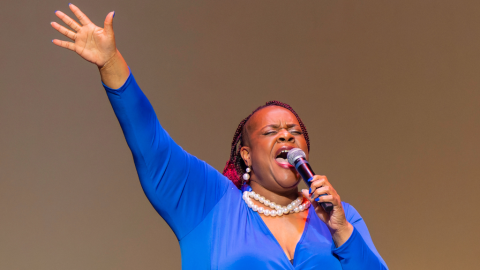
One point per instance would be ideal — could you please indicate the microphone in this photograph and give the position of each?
(296, 157)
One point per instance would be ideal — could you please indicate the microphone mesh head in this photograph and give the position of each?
(294, 154)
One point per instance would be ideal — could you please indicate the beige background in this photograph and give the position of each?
(389, 91)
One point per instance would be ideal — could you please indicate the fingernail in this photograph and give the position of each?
(311, 196)
(317, 199)
(69, 4)
(55, 11)
(310, 179)
(52, 40)
(310, 191)
(114, 14)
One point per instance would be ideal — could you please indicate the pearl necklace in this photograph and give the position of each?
(278, 210)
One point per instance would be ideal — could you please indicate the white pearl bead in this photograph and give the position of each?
(246, 176)
(295, 206)
(248, 169)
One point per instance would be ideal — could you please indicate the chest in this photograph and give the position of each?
(246, 238)
(287, 230)
(233, 236)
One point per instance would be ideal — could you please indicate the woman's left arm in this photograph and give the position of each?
(353, 245)
(358, 252)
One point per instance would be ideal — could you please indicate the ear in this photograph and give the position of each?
(245, 153)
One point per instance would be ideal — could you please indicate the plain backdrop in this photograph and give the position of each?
(389, 92)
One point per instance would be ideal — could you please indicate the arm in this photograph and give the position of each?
(181, 188)
(358, 252)
(352, 243)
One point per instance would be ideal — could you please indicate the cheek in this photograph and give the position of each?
(260, 159)
(303, 144)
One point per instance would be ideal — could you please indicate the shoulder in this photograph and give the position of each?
(351, 213)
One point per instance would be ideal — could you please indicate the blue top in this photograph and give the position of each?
(214, 226)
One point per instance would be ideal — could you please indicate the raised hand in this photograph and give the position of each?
(92, 43)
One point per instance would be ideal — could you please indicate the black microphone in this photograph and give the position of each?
(296, 157)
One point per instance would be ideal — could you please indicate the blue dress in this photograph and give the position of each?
(214, 226)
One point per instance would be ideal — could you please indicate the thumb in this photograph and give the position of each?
(307, 196)
(108, 24)
(314, 203)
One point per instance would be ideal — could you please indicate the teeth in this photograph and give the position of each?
(283, 154)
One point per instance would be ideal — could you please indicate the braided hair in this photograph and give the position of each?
(235, 166)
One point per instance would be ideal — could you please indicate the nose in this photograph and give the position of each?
(285, 136)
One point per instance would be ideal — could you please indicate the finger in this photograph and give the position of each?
(320, 191)
(312, 201)
(71, 35)
(326, 198)
(318, 181)
(84, 20)
(108, 24)
(307, 195)
(64, 44)
(67, 20)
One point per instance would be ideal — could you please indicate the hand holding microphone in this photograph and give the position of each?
(322, 192)
(296, 157)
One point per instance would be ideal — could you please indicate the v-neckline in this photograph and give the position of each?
(305, 228)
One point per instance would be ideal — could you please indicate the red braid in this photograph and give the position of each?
(235, 166)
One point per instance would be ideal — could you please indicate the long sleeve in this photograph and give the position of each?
(358, 252)
(182, 188)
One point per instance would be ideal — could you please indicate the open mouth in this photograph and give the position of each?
(281, 157)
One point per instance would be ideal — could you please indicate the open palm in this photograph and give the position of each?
(92, 43)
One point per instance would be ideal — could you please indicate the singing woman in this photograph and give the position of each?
(252, 214)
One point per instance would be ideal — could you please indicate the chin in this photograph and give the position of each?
(289, 182)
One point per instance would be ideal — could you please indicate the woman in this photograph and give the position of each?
(270, 226)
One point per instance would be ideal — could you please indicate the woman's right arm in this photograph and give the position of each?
(182, 188)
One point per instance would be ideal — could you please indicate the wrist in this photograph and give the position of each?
(115, 71)
(341, 234)
(109, 65)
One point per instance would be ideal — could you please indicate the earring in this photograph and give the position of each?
(246, 175)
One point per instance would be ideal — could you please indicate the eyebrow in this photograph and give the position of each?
(275, 126)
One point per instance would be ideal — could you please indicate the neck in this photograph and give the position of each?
(282, 198)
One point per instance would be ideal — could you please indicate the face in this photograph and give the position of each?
(271, 131)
